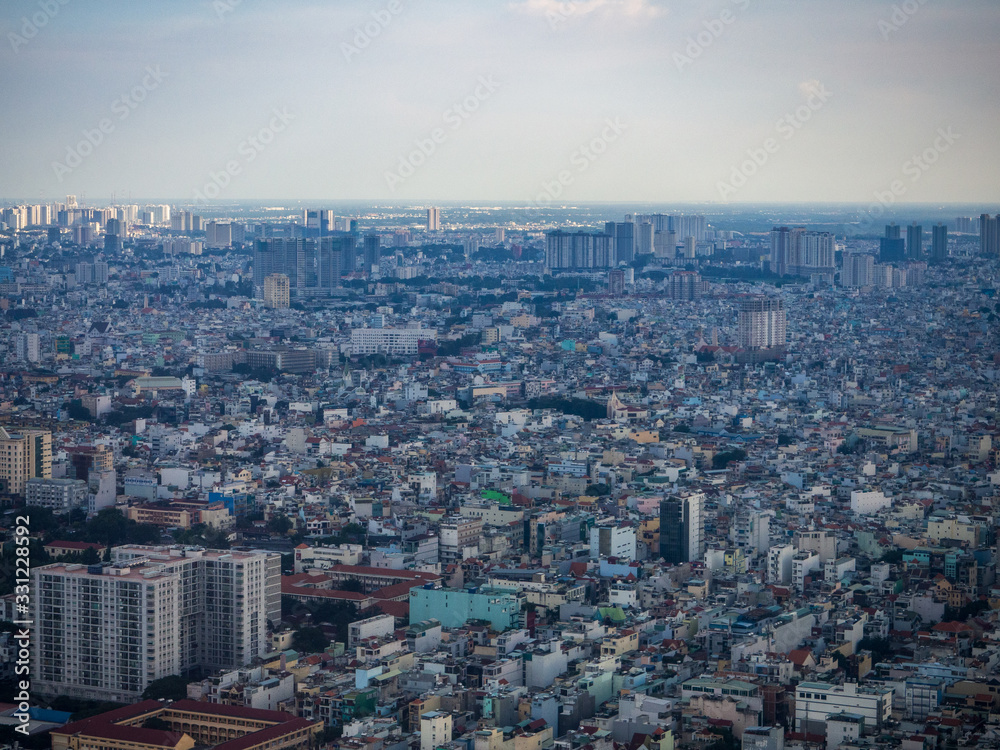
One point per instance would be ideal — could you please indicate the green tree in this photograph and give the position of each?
(170, 688)
(722, 460)
(280, 524)
(310, 640)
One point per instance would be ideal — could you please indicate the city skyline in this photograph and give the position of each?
(693, 104)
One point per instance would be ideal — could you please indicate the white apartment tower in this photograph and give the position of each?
(762, 323)
(106, 631)
(433, 219)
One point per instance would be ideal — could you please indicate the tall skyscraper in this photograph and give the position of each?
(624, 234)
(24, 455)
(989, 235)
(681, 529)
(858, 270)
(966, 225)
(891, 248)
(373, 251)
(433, 219)
(782, 241)
(107, 631)
(914, 242)
(616, 282)
(690, 248)
(684, 225)
(313, 266)
(762, 323)
(318, 222)
(665, 244)
(571, 251)
(644, 238)
(797, 252)
(939, 243)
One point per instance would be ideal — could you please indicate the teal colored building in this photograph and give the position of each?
(455, 607)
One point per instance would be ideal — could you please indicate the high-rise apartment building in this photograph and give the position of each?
(573, 251)
(433, 219)
(682, 537)
(313, 266)
(967, 225)
(796, 251)
(687, 285)
(624, 236)
(106, 631)
(762, 323)
(27, 347)
(318, 222)
(858, 270)
(276, 292)
(989, 235)
(665, 244)
(373, 251)
(645, 236)
(684, 225)
(690, 247)
(914, 242)
(23, 455)
(939, 243)
(616, 282)
(891, 247)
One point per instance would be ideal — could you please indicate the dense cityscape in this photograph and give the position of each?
(477, 478)
(499, 375)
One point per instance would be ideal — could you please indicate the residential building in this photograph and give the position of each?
(24, 455)
(109, 630)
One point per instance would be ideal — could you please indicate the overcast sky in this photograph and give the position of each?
(519, 100)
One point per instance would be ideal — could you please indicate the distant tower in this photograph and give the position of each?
(690, 247)
(277, 292)
(914, 242)
(681, 529)
(891, 248)
(624, 234)
(989, 235)
(616, 282)
(939, 243)
(433, 219)
(762, 323)
(373, 252)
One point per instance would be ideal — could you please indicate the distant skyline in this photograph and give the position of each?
(519, 101)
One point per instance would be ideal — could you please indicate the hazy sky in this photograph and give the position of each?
(519, 100)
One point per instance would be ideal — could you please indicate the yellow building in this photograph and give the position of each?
(24, 455)
(620, 643)
(189, 723)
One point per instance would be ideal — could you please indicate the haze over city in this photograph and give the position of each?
(520, 90)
